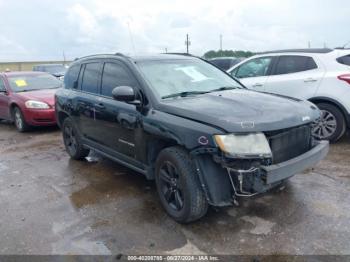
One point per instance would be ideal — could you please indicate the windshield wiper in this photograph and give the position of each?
(223, 88)
(184, 94)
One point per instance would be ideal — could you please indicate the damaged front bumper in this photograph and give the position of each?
(222, 181)
(284, 170)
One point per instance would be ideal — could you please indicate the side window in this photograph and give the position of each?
(115, 75)
(71, 76)
(254, 68)
(2, 85)
(294, 64)
(91, 78)
(345, 60)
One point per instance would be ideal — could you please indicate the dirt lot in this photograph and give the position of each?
(52, 205)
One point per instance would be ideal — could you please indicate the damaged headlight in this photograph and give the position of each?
(247, 145)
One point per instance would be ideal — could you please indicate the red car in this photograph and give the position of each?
(27, 98)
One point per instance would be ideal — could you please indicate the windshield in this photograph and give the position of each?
(33, 82)
(178, 76)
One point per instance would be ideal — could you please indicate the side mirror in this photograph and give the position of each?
(125, 94)
(3, 91)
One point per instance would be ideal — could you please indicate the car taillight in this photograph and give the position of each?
(345, 78)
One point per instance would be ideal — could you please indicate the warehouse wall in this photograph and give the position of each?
(25, 66)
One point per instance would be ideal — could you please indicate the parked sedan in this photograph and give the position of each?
(57, 70)
(225, 63)
(27, 98)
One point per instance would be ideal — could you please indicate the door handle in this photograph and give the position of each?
(310, 80)
(257, 85)
(99, 106)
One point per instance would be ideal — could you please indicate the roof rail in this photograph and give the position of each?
(306, 50)
(174, 53)
(118, 54)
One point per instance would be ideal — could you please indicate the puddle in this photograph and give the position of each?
(261, 226)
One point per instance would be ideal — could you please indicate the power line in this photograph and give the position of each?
(220, 42)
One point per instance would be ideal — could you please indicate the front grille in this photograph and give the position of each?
(289, 143)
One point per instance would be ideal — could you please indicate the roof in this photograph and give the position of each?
(306, 50)
(138, 58)
(162, 57)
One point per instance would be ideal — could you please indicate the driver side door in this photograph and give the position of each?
(254, 73)
(118, 121)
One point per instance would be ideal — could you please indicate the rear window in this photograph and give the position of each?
(345, 60)
(71, 77)
(223, 64)
(91, 78)
(294, 64)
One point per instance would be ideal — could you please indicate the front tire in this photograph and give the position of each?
(19, 120)
(72, 141)
(332, 124)
(178, 186)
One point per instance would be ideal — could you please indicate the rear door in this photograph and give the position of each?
(296, 76)
(89, 80)
(254, 73)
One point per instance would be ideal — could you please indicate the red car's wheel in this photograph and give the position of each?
(19, 120)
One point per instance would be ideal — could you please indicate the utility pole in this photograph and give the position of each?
(187, 43)
(64, 58)
(220, 42)
(309, 44)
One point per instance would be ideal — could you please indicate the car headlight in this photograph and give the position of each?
(32, 104)
(246, 145)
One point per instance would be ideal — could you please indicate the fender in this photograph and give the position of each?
(318, 99)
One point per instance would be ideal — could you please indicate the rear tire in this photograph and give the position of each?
(178, 186)
(332, 125)
(72, 141)
(19, 120)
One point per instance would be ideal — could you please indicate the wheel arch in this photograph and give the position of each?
(12, 108)
(154, 147)
(327, 100)
(61, 116)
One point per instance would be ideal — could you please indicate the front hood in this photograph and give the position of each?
(243, 110)
(45, 95)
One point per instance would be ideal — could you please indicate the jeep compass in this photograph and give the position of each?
(203, 137)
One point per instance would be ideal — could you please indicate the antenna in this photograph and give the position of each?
(131, 38)
(64, 58)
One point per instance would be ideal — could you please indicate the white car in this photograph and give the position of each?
(321, 76)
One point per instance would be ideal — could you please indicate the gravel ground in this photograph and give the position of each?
(53, 205)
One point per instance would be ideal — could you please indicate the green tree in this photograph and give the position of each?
(222, 53)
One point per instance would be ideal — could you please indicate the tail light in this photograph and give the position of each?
(345, 78)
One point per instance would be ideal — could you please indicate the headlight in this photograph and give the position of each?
(36, 105)
(249, 145)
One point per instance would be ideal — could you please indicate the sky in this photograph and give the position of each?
(46, 29)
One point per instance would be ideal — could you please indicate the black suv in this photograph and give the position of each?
(203, 137)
